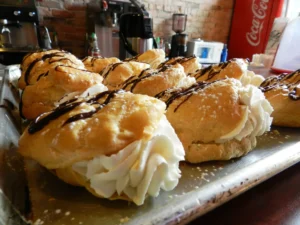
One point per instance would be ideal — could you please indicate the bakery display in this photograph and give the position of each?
(235, 68)
(153, 81)
(41, 96)
(153, 57)
(219, 120)
(190, 64)
(117, 73)
(283, 92)
(117, 144)
(35, 65)
(96, 65)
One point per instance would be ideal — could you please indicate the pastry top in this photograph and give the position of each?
(283, 92)
(60, 80)
(38, 64)
(83, 128)
(217, 112)
(98, 64)
(285, 84)
(190, 64)
(153, 81)
(235, 68)
(153, 57)
(115, 74)
(30, 57)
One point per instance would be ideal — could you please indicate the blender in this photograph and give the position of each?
(179, 40)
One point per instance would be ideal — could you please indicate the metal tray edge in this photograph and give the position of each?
(197, 203)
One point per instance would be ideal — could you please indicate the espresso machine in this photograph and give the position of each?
(179, 40)
(19, 33)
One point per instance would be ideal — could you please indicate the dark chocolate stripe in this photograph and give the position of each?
(173, 95)
(142, 76)
(179, 60)
(33, 63)
(134, 58)
(112, 67)
(67, 106)
(212, 70)
(285, 81)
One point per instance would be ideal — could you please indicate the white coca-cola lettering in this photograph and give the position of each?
(253, 37)
(259, 13)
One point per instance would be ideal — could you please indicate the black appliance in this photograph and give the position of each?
(104, 19)
(136, 31)
(179, 40)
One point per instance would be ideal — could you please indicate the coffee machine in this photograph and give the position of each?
(179, 40)
(19, 33)
(103, 19)
(136, 31)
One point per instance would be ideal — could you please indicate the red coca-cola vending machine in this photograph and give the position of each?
(251, 26)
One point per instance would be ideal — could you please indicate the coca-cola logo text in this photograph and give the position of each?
(259, 13)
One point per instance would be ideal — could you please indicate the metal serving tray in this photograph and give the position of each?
(201, 188)
(13, 184)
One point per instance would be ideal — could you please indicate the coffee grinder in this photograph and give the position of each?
(179, 40)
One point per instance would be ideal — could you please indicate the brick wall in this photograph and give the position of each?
(207, 19)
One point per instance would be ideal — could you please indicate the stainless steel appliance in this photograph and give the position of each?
(104, 18)
(136, 31)
(179, 40)
(18, 30)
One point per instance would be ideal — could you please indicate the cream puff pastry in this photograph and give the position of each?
(117, 73)
(117, 144)
(96, 65)
(219, 120)
(283, 92)
(190, 64)
(35, 65)
(53, 85)
(153, 57)
(151, 82)
(235, 68)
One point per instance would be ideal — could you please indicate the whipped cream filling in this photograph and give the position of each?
(142, 168)
(257, 119)
(249, 77)
(93, 90)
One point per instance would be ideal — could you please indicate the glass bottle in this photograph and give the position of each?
(94, 50)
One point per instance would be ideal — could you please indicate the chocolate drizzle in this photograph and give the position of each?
(112, 67)
(293, 94)
(134, 80)
(211, 71)
(44, 57)
(285, 81)
(93, 59)
(188, 92)
(67, 106)
(173, 61)
(134, 58)
(42, 75)
(72, 67)
(40, 123)
(60, 59)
